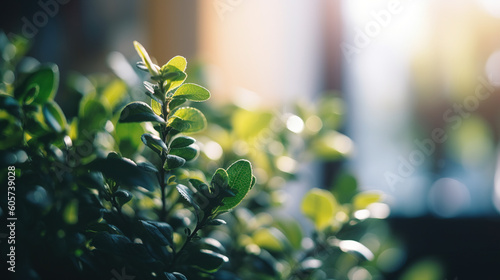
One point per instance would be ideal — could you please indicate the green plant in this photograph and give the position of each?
(90, 206)
(121, 188)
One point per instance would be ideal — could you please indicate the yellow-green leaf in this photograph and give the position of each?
(320, 206)
(362, 200)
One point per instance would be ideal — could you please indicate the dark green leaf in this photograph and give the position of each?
(210, 244)
(122, 197)
(161, 233)
(181, 141)
(124, 171)
(176, 102)
(207, 260)
(147, 166)
(10, 105)
(216, 222)
(154, 142)
(220, 179)
(188, 153)
(54, 117)
(192, 92)
(188, 194)
(139, 112)
(173, 162)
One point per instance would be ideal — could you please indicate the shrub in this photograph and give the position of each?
(122, 191)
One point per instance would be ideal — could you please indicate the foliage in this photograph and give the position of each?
(135, 187)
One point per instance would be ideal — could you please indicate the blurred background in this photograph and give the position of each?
(419, 79)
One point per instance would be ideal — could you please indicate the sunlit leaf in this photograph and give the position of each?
(320, 206)
(240, 180)
(192, 92)
(189, 116)
(145, 58)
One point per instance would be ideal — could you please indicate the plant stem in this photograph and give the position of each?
(164, 138)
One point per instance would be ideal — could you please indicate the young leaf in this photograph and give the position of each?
(145, 58)
(153, 92)
(178, 62)
(181, 141)
(240, 180)
(173, 162)
(138, 112)
(188, 153)
(154, 142)
(176, 79)
(320, 206)
(362, 200)
(192, 92)
(54, 117)
(156, 106)
(188, 115)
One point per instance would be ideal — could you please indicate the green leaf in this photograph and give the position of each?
(188, 153)
(362, 200)
(154, 142)
(270, 239)
(126, 138)
(188, 194)
(216, 222)
(181, 141)
(320, 206)
(220, 180)
(122, 197)
(124, 171)
(153, 69)
(161, 233)
(54, 117)
(93, 114)
(31, 94)
(138, 112)
(240, 180)
(248, 124)
(188, 120)
(178, 62)
(153, 92)
(46, 78)
(176, 102)
(292, 230)
(114, 93)
(173, 162)
(156, 106)
(176, 79)
(192, 92)
(207, 260)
